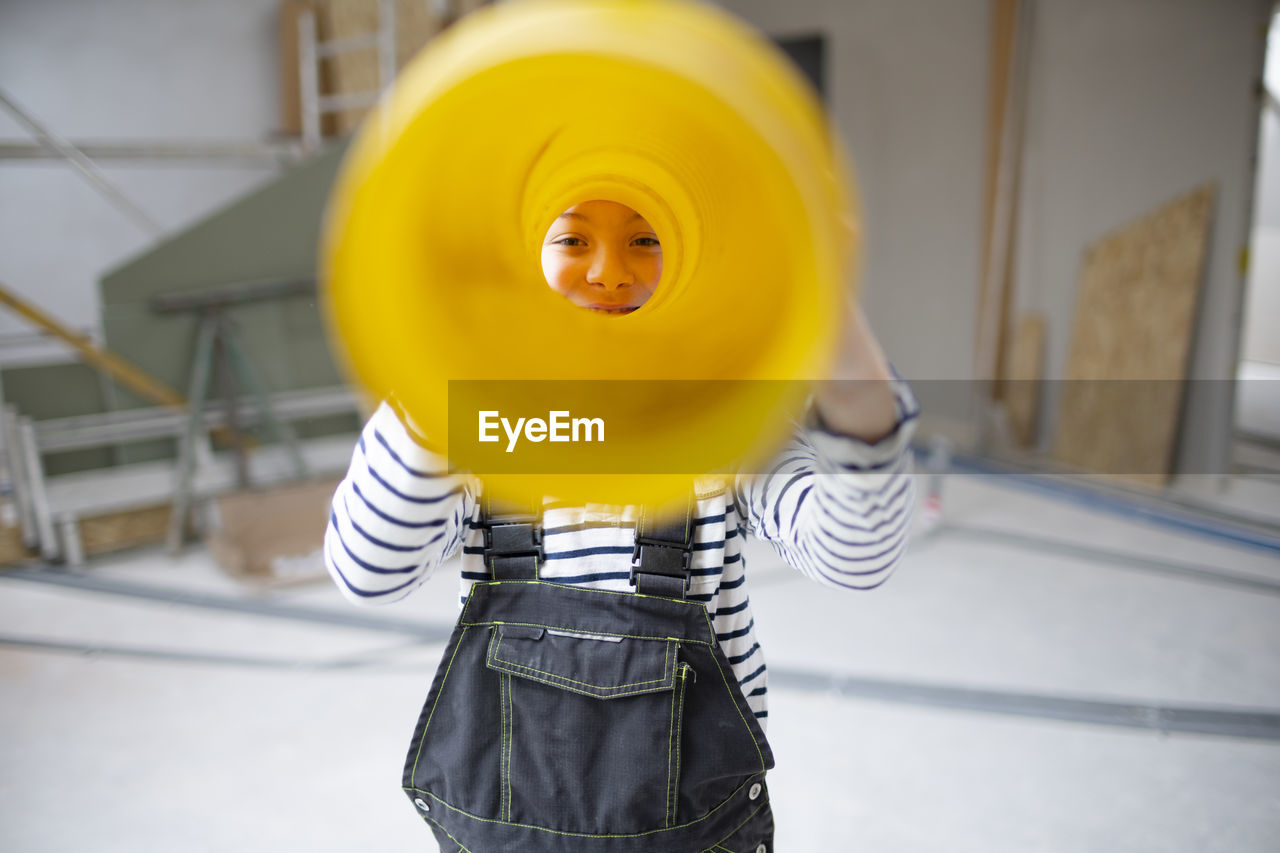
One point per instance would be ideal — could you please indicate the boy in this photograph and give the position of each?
(603, 690)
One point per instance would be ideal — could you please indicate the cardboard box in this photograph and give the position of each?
(275, 535)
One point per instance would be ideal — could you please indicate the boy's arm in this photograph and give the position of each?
(837, 502)
(397, 515)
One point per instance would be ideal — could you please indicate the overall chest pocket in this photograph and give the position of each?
(591, 728)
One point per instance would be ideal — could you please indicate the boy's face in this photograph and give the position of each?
(602, 255)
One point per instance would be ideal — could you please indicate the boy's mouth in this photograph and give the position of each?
(613, 309)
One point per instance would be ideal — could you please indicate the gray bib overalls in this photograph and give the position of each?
(565, 719)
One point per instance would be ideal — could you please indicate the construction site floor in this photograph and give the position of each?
(1040, 675)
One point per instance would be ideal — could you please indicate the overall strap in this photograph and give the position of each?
(512, 539)
(660, 564)
(662, 560)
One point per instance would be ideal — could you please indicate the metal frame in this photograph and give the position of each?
(53, 529)
(218, 342)
(312, 51)
(164, 153)
(91, 173)
(19, 477)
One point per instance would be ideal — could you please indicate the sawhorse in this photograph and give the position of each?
(218, 348)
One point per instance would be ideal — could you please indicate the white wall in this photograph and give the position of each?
(1262, 309)
(120, 70)
(906, 85)
(1132, 102)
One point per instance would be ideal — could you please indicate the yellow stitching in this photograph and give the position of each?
(443, 682)
(511, 733)
(671, 737)
(582, 692)
(503, 781)
(511, 742)
(466, 604)
(574, 630)
(493, 657)
(584, 683)
(684, 684)
(462, 848)
(454, 808)
(592, 590)
(719, 845)
(702, 608)
(511, 724)
(605, 692)
(502, 744)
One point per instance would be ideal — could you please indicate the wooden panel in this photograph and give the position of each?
(1025, 374)
(287, 57)
(416, 24)
(357, 71)
(12, 551)
(1130, 342)
(118, 530)
(101, 534)
(1003, 147)
(354, 71)
(265, 535)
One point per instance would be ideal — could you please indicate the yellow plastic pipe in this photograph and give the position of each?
(430, 269)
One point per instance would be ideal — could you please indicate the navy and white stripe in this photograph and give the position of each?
(833, 507)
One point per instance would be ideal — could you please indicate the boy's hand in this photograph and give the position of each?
(857, 399)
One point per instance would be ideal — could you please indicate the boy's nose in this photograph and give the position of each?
(609, 269)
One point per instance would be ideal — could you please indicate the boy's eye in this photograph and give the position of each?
(570, 241)
(645, 241)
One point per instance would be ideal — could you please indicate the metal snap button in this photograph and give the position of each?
(420, 803)
(762, 849)
(754, 793)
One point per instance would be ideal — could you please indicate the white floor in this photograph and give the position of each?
(133, 724)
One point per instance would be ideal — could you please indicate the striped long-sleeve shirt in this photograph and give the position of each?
(835, 508)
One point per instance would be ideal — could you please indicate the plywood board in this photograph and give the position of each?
(1134, 321)
(1024, 379)
(266, 535)
(101, 534)
(287, 57)
(12, 550)
(354, 71)
(995, 295)
(357, 71)
(119, 530)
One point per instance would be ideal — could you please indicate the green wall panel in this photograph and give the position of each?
(270, 235)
